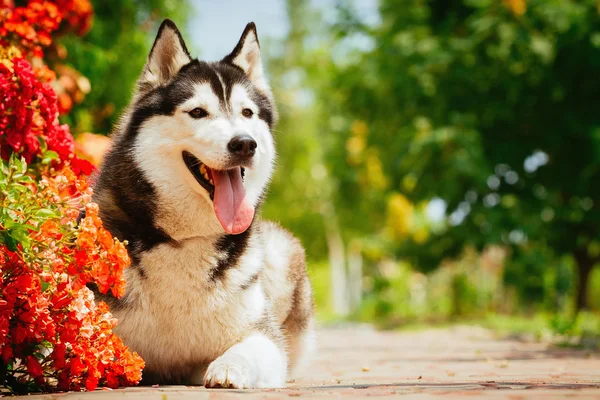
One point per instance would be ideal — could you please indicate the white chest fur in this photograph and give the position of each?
(178, 314)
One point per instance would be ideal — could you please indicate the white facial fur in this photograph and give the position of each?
(162, 139)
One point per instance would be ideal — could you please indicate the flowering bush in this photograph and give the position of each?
(28, 111)
(31, 26)
(53, 335)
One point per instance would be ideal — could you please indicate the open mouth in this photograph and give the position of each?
(201, 172)
(234, 210)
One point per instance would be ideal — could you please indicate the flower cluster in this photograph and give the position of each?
(28, 112)
(77, 14)
(53, 336)
(31, 26)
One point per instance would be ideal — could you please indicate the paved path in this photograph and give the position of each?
(434, 364)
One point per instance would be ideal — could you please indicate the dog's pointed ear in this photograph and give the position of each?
(166, 58)
(246, 55)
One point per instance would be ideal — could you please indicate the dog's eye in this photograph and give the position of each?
(198, 113)
(248, 113)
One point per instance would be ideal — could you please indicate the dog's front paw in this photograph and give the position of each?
(229, 371)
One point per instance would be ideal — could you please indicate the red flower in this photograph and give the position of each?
(42, 304)
(61, 141)
(34, 368)
(45, 305)
(76, 366)
(18, 334)
(32, 25)
(29, 111)
(7, 354)
(82, 167)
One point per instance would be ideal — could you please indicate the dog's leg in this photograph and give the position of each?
(299, 327)
(255, 362)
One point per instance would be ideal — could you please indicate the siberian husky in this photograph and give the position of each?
(215, 296)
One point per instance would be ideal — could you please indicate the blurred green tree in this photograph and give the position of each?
(491, 106)
(112, 55)
(301, 192)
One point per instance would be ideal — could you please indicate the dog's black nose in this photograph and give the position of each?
(242, 145)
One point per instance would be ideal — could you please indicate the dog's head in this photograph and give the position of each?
(202, 131)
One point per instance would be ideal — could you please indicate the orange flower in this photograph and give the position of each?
(50, 229)
(518, 7)
(105, 238)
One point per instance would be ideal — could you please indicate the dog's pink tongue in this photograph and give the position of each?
(233, 208)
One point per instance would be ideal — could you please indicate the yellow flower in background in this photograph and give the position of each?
(375, 176)
(400, 215)
(359, 128)
(518, 7)
(421, 235)
(355, 146)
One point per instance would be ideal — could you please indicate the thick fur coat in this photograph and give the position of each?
(215, 296)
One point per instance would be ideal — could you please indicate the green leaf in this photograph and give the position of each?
(20, 188)
(8, 224)
(23, 165)
(20, 234)
(45, 213)
(5, 168)
(25, 179)
(45, 285)
(43, 145)
(49, 156)
(10, 243)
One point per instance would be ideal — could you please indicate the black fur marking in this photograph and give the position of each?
(138, 267)
(233, 75)
(167, 23)
(251, 27)
(162, 100)
(129, 214)
(217, 87)
(265, 107)
(134, 255)
(80, 216)
(233, 246)
(248, 284)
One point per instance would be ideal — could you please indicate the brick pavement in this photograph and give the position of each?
(359, 362)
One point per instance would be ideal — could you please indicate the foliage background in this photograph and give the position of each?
(439, 163)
